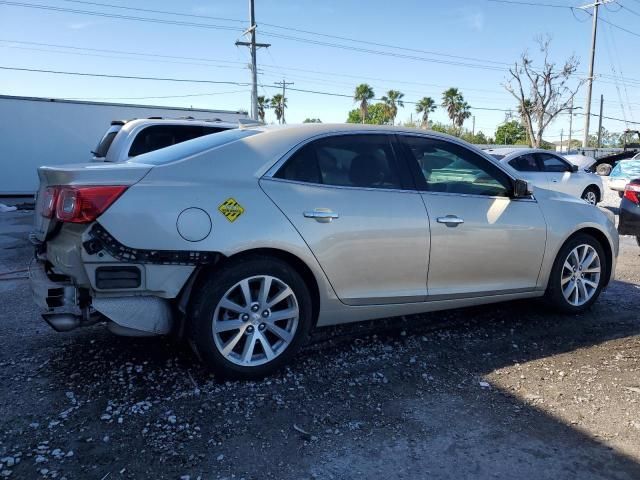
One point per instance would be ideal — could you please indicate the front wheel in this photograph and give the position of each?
(578, 275)
(590, 195)
(250, 317)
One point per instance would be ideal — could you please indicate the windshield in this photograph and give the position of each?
(626, 168)
(103, 147)
(192, 147)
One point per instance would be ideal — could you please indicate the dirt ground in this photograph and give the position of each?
(502, 391)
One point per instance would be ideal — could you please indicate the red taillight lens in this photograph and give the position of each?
(48, 201)
(85, 204)
(632, 192)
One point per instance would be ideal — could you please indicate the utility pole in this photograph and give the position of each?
(570, 125)
(473, 128)
(594, 30)
(251, 31)
(561, 134)
(600, 122)
(284, 85)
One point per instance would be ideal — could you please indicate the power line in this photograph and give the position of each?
(533, 4)
(148, 10)
(288, 28)
(118, 16)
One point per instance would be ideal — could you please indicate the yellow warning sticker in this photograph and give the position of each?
(231, 209)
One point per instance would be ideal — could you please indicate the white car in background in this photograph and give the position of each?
(549, 170)
(125, 139)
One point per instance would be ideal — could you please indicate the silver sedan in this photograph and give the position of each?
(246, 240)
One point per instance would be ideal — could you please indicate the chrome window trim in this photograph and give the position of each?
(473, 195)
(341, 187)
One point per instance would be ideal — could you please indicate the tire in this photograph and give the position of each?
(591, 195)
(252, 326)
(572, 303)
(638, 240)
(604, 169)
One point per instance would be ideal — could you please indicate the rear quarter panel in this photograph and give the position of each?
(146, 215)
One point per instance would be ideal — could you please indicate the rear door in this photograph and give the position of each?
(356, 207)
(483, 242)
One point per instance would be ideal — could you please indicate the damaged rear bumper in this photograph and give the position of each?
(66, 307)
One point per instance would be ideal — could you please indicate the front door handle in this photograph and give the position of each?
(450, 220)
(321, 215)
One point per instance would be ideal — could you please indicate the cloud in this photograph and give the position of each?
(80, 25)
(473, 19)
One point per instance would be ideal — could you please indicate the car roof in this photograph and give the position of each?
(274, 141)
(509, 153)
(136, 122)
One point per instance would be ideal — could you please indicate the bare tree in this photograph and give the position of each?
(542, 93)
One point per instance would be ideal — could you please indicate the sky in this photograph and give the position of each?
(466, 44)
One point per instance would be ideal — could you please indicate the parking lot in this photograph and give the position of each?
(501, 391)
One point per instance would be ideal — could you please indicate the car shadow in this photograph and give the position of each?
(396, 397)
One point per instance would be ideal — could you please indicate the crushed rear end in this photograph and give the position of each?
(75, 279)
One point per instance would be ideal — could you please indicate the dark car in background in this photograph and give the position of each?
(630, 210)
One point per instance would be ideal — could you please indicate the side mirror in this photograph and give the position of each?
(522, 189)
(574, 168)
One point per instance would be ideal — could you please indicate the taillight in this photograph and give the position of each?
(85, 204)
(632, 192)
(48, 201)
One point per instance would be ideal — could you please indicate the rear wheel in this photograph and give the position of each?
(251, 317)
(578, 275)
(591, 195)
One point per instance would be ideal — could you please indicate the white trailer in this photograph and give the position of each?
(47, 131)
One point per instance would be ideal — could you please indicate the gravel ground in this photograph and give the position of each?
(501, 391)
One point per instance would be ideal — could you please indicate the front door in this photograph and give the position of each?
(354, 205)
(559, 174)
(483, 242)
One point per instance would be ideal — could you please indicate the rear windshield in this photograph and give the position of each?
(192, 147)
(161, 136)
(103, 147)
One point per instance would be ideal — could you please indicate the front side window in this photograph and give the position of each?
(552, 163)
(525, 163)
(451, 168)
(365, 161)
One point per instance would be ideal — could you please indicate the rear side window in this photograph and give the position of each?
(552, 163)
(365, 161)
(103, 147)
(161, 136)
(525, 163)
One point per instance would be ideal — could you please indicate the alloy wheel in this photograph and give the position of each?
(255, 321)
(591, 197)
(580, 275)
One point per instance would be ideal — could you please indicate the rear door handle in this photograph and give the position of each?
(321, 215)
(450, 220)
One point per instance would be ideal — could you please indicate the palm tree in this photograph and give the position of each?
(263, 104)
(463, 112)
(363, 94)
(279, 103)
(393, 100)
(425, 106)
(451, 101)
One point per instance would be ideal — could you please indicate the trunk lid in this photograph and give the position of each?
(82, 174)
